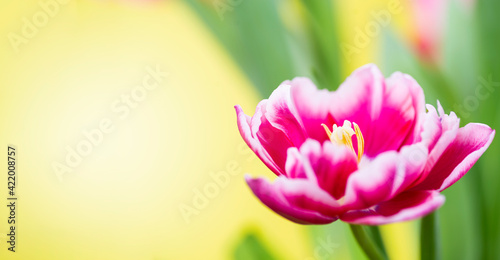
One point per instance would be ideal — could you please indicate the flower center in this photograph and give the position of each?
(342, 135)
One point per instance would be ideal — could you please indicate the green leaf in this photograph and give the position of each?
(429, 237)
(322, 33)
(488, 45)
(250, 248)
(460, 62)
(255, 37)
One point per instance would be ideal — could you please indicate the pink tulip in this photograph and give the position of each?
(368, 153)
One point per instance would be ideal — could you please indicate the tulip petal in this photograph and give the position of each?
(297, 166)
(313, 107)
(244, 126)
(374, 181)
(456, 160)
(418, 101)
(274, 141)
(284, 195)
(431, 128)
(397, 116)
(412, 158)
(406, 206)
(281, 114)
(438, 133)
(385, 177)
(384, 112)
(331, 164)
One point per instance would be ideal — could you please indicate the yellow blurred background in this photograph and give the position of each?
(85, 71)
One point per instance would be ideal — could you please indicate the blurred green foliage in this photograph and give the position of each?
(267, 50)
(488, 182)
(251, 248)
(254, 35)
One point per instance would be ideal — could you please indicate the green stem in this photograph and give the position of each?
(429, 237)
(377, 238)
(364, 241)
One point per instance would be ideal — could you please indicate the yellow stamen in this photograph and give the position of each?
(361, 141)
(342, 135)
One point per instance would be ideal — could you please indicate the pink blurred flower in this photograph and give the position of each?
(368, 153)
(430, 21)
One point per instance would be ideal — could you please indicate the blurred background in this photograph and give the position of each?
(122, 116)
